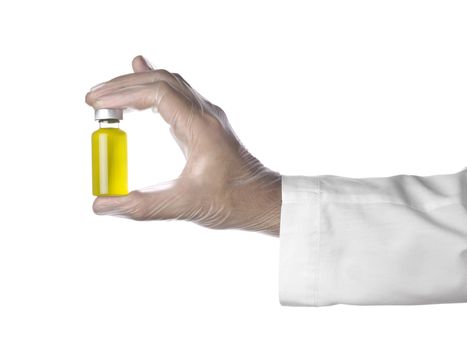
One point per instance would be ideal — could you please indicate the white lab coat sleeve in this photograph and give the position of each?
(387, 240)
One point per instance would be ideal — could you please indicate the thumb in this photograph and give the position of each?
(161, 202)
(140, 64)
(124, 206)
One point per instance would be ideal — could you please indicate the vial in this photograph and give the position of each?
(109, 155)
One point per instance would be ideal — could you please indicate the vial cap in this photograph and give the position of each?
(108, 113)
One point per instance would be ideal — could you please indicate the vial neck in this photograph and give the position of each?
(109, 123)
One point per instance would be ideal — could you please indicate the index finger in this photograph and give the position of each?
(160, 96)
(138, 78)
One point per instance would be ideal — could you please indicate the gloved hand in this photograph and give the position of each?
(222, 185)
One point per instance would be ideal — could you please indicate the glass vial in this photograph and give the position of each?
(109, 155)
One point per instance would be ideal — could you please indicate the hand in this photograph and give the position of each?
(222, 185)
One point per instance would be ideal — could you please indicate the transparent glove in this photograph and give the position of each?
(222, 185)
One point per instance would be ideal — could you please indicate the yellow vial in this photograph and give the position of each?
(109, 155)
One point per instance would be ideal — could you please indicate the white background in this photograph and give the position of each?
(351, 88)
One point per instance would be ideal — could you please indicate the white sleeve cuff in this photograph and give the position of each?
(299, 241)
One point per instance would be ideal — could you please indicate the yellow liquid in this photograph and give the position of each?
(109, 162)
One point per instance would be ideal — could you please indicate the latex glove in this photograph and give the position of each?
(222, 184)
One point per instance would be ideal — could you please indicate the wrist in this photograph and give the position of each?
(257, 205)
(270, 218)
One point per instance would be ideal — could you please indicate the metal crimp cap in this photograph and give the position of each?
(108, 113)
